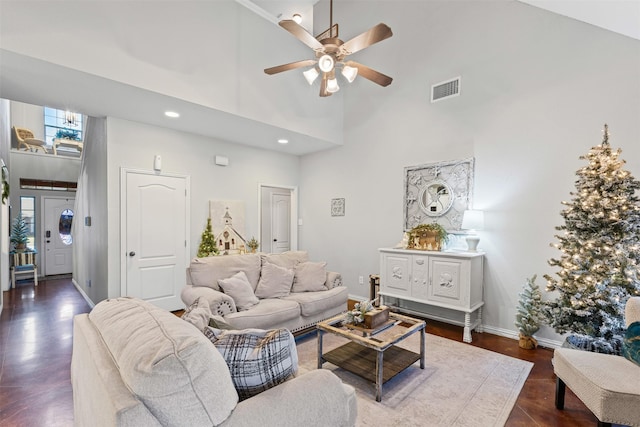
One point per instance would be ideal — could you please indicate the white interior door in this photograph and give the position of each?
(280, 222)
(155, 230)
(58, 242)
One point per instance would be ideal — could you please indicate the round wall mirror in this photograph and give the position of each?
(436, 198)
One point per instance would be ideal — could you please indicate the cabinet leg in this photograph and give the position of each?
(466, 337)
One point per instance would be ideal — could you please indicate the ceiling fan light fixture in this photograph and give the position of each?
(349, 73)
(332, 85)
(297, 18)
(311, 75)
(326, 63)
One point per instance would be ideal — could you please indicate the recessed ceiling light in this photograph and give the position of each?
(171, 114)
(297, 18)
(283, 141)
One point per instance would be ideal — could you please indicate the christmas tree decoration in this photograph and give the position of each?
(529, 314)
(600, 253)
(208, 245)
(19, 233)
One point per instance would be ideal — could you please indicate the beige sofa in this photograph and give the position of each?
(608, 385)
(134, 364)
(301, 303)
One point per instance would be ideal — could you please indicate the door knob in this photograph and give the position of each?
(132, 253)
(275, 240)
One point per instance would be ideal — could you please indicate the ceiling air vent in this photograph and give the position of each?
(446, 89)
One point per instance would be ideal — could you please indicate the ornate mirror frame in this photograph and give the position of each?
(438, 192)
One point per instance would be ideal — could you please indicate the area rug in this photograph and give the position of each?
(461, 385)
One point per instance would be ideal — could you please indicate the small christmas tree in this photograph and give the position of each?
(600, 247)
(529, 313)
(19, 232)
(208, 245)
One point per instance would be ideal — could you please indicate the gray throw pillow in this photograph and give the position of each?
(239, 288)
(287, 259)
(309, 277)
(257, 359)
(275, 281)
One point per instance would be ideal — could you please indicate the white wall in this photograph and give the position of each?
(210, 53)
(536, 91)
(133, 145)
(90, 255)
(5, 144)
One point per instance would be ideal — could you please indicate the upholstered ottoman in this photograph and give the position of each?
(608, 385)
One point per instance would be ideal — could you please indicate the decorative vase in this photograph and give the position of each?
(526, 342)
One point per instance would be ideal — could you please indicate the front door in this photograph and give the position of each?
(58, 242)
(154, 235)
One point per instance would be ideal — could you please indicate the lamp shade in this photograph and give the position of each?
(332, 85)
(326, 63)
(311, 75)
(349, 73)
(472, 220)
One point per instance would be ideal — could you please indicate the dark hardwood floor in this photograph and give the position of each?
(36, 344)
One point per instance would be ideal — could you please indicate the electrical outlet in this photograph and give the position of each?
(361, 280)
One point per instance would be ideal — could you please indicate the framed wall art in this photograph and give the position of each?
(438, 192)
(337, 207)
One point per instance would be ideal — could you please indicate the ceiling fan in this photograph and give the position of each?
(331, 52)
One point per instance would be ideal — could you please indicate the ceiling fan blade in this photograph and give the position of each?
(374, 35)
(371, 74)
(290, 66)
(301, 34)
(323, 86)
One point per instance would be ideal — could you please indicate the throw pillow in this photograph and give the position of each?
(198, 313)
(257, 359)
(631, 343)
(275, 281)
(239, 288)
(287, 259)
(310, 277)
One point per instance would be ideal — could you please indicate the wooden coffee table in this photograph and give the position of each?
(372, 354)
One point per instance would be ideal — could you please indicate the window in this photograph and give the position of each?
(64, 226)
(28, 209)
(62, 124)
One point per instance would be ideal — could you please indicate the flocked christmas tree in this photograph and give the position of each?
(529, 313)
(208, 245)
(600, 253)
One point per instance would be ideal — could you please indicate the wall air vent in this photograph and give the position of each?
(446, 89)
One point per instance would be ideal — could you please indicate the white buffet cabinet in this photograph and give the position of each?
(447, 280)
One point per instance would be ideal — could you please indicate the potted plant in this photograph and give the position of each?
(68, 134)
(428, 237)
(253, 244)
(529, 314)
(19, 233)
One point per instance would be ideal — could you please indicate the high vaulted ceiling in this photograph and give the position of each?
(36, 80)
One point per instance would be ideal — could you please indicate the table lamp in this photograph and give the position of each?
(472, 220)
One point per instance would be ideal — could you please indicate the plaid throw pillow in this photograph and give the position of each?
(257, 359)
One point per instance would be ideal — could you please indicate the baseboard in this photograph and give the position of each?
(85, 296)
(542, 342)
